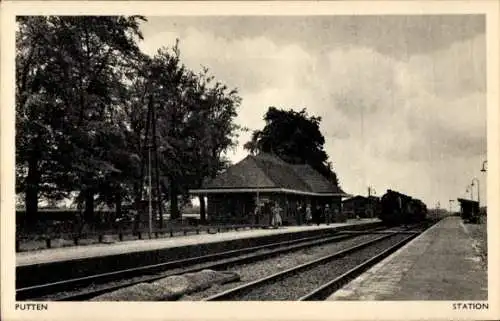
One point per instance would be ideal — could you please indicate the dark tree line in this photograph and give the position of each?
(91, 108)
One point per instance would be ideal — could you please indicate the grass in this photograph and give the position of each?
(479, 234)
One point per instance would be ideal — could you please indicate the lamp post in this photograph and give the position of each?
(484, 166)
(372, 209)
(469, 189)
(472, 184)
(484, 171)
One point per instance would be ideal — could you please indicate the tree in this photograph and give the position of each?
(213, 129)
(36, 111)
(295, 137)
(89, 105)
(70, 85)
(193, 123)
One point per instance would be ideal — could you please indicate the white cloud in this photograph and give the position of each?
(423, 119)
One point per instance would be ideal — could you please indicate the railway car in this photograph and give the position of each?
(398, 208)
(421, 211)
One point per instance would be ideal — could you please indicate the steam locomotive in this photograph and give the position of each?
(398, 208)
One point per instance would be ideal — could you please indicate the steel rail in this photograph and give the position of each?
(218, 265)
(291, 245)
(324, 291)
(146, 269)
(237, 291)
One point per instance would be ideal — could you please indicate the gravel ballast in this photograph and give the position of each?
(156, 291)
(144, 278)
(257, 270)
(169, 288)
(40, 271)
(300, 284)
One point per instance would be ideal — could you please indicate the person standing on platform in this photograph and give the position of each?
(280, 217)
(285, 213)
(318, 214)
(298, 213)
(269, 213)
(328, 214)
(273, 216)
(308, 214)
(336, 215)
(276, 215)
(256, 214)
(302, 213)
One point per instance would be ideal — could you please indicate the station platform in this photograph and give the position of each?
(125, 247)
(440, 264)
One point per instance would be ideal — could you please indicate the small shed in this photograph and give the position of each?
(265, 179)
(361, 206)
(469, 209)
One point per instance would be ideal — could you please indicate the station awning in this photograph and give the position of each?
(264, 190)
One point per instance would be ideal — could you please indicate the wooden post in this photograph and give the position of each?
(215, 209)
(244, 209)
(257, 219)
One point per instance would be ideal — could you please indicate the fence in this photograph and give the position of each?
(51, 240)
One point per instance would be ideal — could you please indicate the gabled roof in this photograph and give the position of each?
(362, 198)
(281, 173)
(355, 198)
(245, 174)
(466, 201)
(316, 182)
(268, 171)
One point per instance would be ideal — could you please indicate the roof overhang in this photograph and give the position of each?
(263, 190)
(466, 201)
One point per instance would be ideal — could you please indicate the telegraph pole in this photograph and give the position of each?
(157, 169)
(149, 192)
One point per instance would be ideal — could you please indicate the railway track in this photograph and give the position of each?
(84, 288)
(317, 279)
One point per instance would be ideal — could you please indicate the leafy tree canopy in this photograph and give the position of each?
(93, 112)
(295, 137)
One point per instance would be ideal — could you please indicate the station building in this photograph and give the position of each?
(264, 179)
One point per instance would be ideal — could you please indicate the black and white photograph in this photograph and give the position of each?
(274, 155)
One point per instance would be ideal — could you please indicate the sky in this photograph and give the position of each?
(402, 98)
